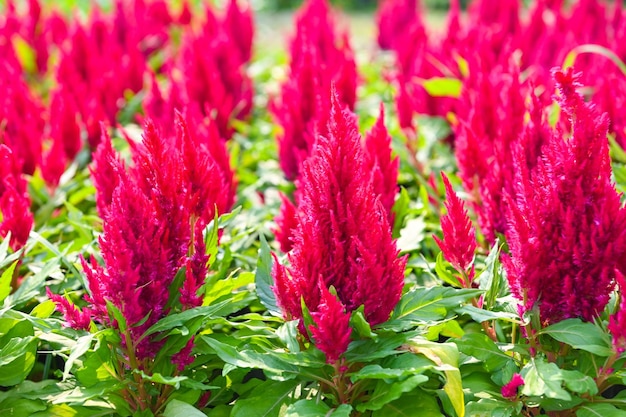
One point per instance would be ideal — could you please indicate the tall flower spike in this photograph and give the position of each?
(331, 331)
(567, 228)
(383, 168)
(15, 217)
(343, 238)
(459, 237)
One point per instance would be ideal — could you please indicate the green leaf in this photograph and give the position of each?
(597, 50)
(544, 379)
(173, 381)
(400, 210)
(484, 349)
(578, 382)
(272, 396)
(420, 306)
(180, 319)
(376, 371)
(176, 408)
(44, 309)
(5, 281)
(21, 407)
(283, 365)
(446, 357)
(362, 327)
(442, 271)
(263, 278)
(442, 87)
(580, 335)
(384, 392)
(491, 279)
(415, 404)
(17, 358)
(599, 410)
(82, 345)
(307, 408)
(491, 407)
(480, 315)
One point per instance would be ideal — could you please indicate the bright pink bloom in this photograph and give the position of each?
(459, 237)
(509, 390)
(393, 19)
(380, 163)
(567, 229)
(331, 331)
(14, 200)
(154, 213)
(343, 238)
(319, 57)
(184, 357)
(617, 322)
(21, 122)
(239, 24)
(286, 223)
(74, 317)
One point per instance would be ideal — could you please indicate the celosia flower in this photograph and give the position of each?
(383, 168)
(21, 122)
(343, 238)
(319, 58)
(617, 322)
(154, 213)
(459, 238)
(239, 24)
(16, 216)
(74, 317)
(331, 331)
(286, 223)
(393, 18)
(509, 390)
(566, 224)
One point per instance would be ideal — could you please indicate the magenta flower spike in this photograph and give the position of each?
(14, 200)
(381, 164)
(342, 238)
(567, 228)
(459, 237)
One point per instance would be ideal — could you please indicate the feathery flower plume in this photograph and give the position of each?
(509, 390)
(15, 214)
(381, 164)
(154, 213)
(567, 229)
(393, 18)
(459, 237)
(331, 245)
(319, 58)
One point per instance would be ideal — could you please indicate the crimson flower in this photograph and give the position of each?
(459, 237)
(509, 390)
(567, 228)
(342, 239)
(16, 216)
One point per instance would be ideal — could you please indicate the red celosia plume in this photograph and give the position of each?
(343, 238)
(567, 229)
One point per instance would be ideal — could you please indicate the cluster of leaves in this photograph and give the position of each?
(454, 345)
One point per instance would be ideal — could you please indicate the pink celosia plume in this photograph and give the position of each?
(567, 227)
(331, 245)
(459, 237)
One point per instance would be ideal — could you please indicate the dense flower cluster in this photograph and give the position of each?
(331, 248)
(567, 229)
(154, 213)
(319, 57)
